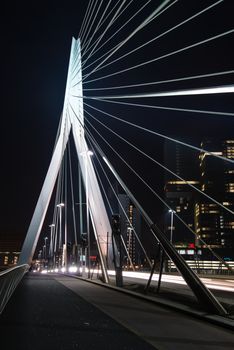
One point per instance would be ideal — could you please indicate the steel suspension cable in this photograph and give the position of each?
(60, 201)
(105, 19)
(159, 197)
(117, 47)
(162, 166)
(112, 36)
(142, 25)
(91, 46)
(200, 111)
(72, 194)
(161, 35)
(80, 201)
(121, 206)
(88, 22)
(172, 53)
(86, 40)
(139, 28)
(85, 18)
(58, 195)
(160, 134)
(137, 237)
(86, 46)
(163, 81)
(55, 212)
(104, 32)
(110, 207)
(98, 40)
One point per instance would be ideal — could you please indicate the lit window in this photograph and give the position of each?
(183, 182)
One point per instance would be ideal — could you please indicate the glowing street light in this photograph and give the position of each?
(172, 215)
(45, 247)
(43, 254)
(51, 240)
(60, 206)
(40, 257)
(171, 235)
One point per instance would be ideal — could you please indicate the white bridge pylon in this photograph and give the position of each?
(72, 119)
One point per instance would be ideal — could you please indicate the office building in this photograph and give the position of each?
(214, 224)
(179, 196)
(10, 247)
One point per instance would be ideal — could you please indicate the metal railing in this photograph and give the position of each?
(9, 279)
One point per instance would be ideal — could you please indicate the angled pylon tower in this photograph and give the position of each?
(72, 119)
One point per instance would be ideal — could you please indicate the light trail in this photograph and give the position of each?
(222, 284)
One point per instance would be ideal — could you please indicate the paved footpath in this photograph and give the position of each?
(60, 312)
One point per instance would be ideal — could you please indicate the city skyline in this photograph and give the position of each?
(213, 177)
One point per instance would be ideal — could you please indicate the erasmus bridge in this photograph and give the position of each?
(125, 86)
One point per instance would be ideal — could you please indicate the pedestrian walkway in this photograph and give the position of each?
(44, 314)
(62, 313)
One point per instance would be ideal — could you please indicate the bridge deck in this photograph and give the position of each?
(59, 312)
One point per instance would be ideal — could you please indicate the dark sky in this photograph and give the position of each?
(35, 46)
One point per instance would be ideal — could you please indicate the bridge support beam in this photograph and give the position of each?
(202, 293)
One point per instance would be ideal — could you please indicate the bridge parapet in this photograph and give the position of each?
(9, 279)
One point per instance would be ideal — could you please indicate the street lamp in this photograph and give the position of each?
(130, 244)
(45, 247)
(171, 235)
(44, 253)
(51, 242)
(60, 205)
(40, 258)
(86, 154)
(172, 215)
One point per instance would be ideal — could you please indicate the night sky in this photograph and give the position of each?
(35, 47)
(35, 42)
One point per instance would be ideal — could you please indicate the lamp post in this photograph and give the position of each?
(130, 245)
(43, 254)
(86, 154)
(45, 249)
(39, 258)
(171, 234)
(51, 242)
(171, 226)
(80, 251)
(60, 206)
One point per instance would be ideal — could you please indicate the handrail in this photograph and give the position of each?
(9, 279)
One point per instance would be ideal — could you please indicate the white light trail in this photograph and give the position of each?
(211, 284)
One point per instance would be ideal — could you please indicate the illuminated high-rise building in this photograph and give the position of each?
(178, 194)
(213, 223)
(10, 247)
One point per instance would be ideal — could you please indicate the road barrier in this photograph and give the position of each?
(9, 279)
